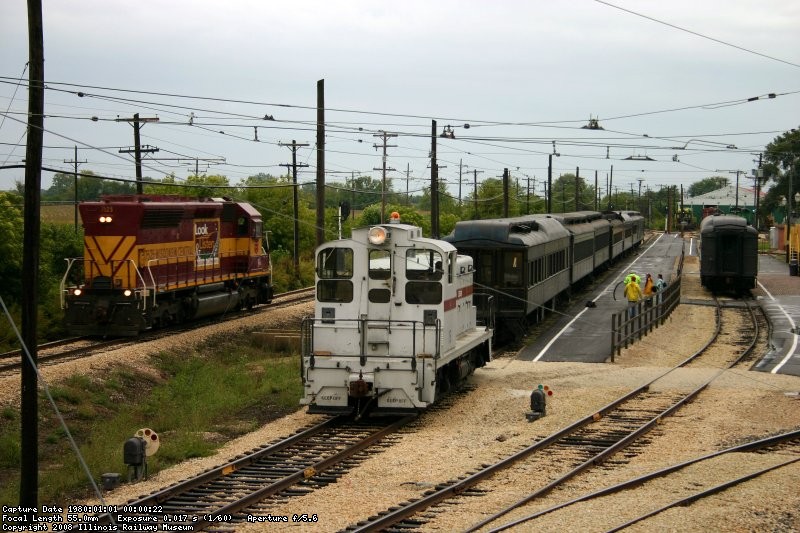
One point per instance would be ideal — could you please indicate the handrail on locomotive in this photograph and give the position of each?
(142, 290)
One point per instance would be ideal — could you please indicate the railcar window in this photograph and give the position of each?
(423, 292)
(335, 290)
(380, 264)
(512, 269)
(335, 263)
(584, 249)
(483, 270)
(422, 264)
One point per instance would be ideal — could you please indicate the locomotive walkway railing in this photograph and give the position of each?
(649, 314)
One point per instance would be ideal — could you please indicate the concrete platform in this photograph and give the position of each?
(582, 334)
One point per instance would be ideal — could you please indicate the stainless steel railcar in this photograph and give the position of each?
(728, 253)
(524, 263)
(589, 238)
(394, 323)
(633, 222)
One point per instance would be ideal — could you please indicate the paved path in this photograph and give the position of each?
(582, 334)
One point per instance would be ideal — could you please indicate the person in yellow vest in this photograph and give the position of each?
(633, 293)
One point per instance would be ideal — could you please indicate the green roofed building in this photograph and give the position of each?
(726, 200)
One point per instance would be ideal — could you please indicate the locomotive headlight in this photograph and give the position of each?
(377, 235)
(105, 220)
(127, 292)
(77, 292)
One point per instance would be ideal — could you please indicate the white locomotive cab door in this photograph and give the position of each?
(380, 289)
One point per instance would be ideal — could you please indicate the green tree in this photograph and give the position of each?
(169, 185)
(371, 215)
(707, 185)
(90, 187)
(564, 200)
(781, 162)
(11, 225)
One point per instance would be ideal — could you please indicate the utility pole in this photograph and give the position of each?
(758, 173)
(460, 167)
(610, 186)
(528, 194)
(505, 193)
(75, 175)
(475, 191)
(137, 148)
(639, 198)
(385, 136)
(29, 399)
(294, 146)
(596, 192)
(577, 188)
(320, 162)
(549, 183)
(434, 185)
(408, 181)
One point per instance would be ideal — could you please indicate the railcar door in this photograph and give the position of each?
(729, 248)
(380, 284)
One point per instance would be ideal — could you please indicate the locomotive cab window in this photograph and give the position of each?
(335, 290)
(257, 228)
(241, 227)
(380, 264)
(335, 263)
(335, 268)
(424, 273)
(423, 264)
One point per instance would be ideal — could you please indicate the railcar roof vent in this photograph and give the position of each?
(524, 227)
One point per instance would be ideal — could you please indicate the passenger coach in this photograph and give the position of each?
(728, 253)
(522, 263)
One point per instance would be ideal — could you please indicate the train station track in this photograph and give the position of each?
(609, 436)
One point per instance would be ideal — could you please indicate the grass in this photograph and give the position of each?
(59, 214)
(195, 402)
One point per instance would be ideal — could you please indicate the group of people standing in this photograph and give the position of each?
(635, 293)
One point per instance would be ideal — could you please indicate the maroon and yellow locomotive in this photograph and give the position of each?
(156, 260)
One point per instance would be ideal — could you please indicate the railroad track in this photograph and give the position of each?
(248, 489)
(784, 448)
(611, 434)
(77, 347)
(310, 459)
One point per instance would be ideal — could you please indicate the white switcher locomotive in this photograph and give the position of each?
(394, 323)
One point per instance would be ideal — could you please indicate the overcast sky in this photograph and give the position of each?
(522, 74)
